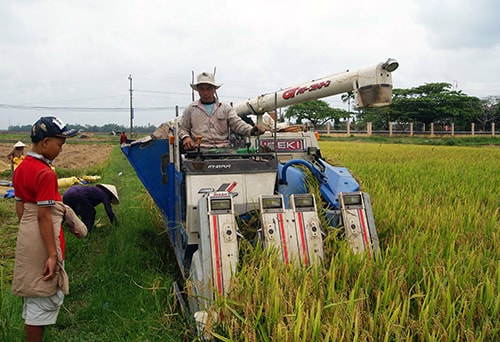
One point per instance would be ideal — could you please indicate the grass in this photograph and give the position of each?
(120, 276)
(438, 219)
(416, 140)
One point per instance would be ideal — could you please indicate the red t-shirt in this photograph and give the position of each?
(34, 181)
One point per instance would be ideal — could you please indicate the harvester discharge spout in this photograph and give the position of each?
(371, 86)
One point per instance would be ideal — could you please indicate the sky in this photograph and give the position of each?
(73, 59)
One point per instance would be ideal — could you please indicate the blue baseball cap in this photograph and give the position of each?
(50, 126)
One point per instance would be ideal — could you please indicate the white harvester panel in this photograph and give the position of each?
(224, 242)
(358, 222)
(278, 228)
(308, 228)
(294, 233)
(216, 260)
(252, 178)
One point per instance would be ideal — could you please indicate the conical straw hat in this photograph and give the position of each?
(112, 190)
(19, 144)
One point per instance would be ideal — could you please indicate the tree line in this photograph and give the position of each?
(436, 103)
(107, 128)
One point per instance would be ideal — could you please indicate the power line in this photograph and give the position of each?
(159, 92)
(84, 109)
(83, 99)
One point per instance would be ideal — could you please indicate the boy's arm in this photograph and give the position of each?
(47, 231)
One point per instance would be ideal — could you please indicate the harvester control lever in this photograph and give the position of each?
(247, 144)
(198, 142)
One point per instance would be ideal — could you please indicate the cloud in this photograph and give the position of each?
(456, 24)
(80, 54)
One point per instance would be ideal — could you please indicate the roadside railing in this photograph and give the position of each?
(449, 131)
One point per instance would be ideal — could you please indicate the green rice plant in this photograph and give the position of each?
(436, 210)
(437, 214)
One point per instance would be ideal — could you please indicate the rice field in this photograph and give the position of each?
(438, 219)
(437, 214)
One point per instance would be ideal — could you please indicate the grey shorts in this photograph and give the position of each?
(42, 310)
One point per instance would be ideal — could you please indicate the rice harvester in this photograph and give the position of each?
(202, 195)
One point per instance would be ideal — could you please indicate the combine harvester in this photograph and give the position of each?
(201, 194)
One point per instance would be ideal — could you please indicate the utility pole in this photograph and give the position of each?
(131, 107)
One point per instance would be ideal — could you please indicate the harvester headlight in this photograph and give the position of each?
(390, 65)
(272, 203)
(220, 204)
(303, 201)
(352, 199)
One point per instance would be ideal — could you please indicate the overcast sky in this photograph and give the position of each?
(58, 55)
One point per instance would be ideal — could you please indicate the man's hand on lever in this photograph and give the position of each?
(257, 130)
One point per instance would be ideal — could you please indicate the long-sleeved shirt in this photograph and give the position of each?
(15, 157)
(82, 199)
(213, 128)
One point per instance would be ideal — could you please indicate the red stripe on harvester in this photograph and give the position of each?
(283, 238)
(231, 187)
(218, 273)
(365, 231)
(303, 238)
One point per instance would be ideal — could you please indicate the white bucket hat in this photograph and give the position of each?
(19, 144)
(112, 190)
(207, 78)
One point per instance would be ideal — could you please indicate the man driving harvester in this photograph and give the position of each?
(211, 119)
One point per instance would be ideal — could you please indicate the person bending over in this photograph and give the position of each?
(83, 200)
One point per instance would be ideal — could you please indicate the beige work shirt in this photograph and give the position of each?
(213, 128)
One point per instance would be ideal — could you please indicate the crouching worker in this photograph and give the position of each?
(39, 275)
(83, 200)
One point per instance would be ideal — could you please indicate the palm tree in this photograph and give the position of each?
(347, 97)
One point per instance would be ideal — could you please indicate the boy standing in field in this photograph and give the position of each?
(39, 275)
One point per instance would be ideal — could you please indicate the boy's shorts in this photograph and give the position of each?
(42, 310)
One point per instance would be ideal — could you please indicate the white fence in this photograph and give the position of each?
(450, 131)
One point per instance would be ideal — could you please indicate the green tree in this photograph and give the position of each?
(381, 117)
(429, 103)
(92, 128)
(436, 102)
(490, 113)
(348, 98)
(318, 112)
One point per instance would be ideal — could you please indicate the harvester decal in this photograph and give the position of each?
(217, 253)
(283, 235)
(303, 240)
